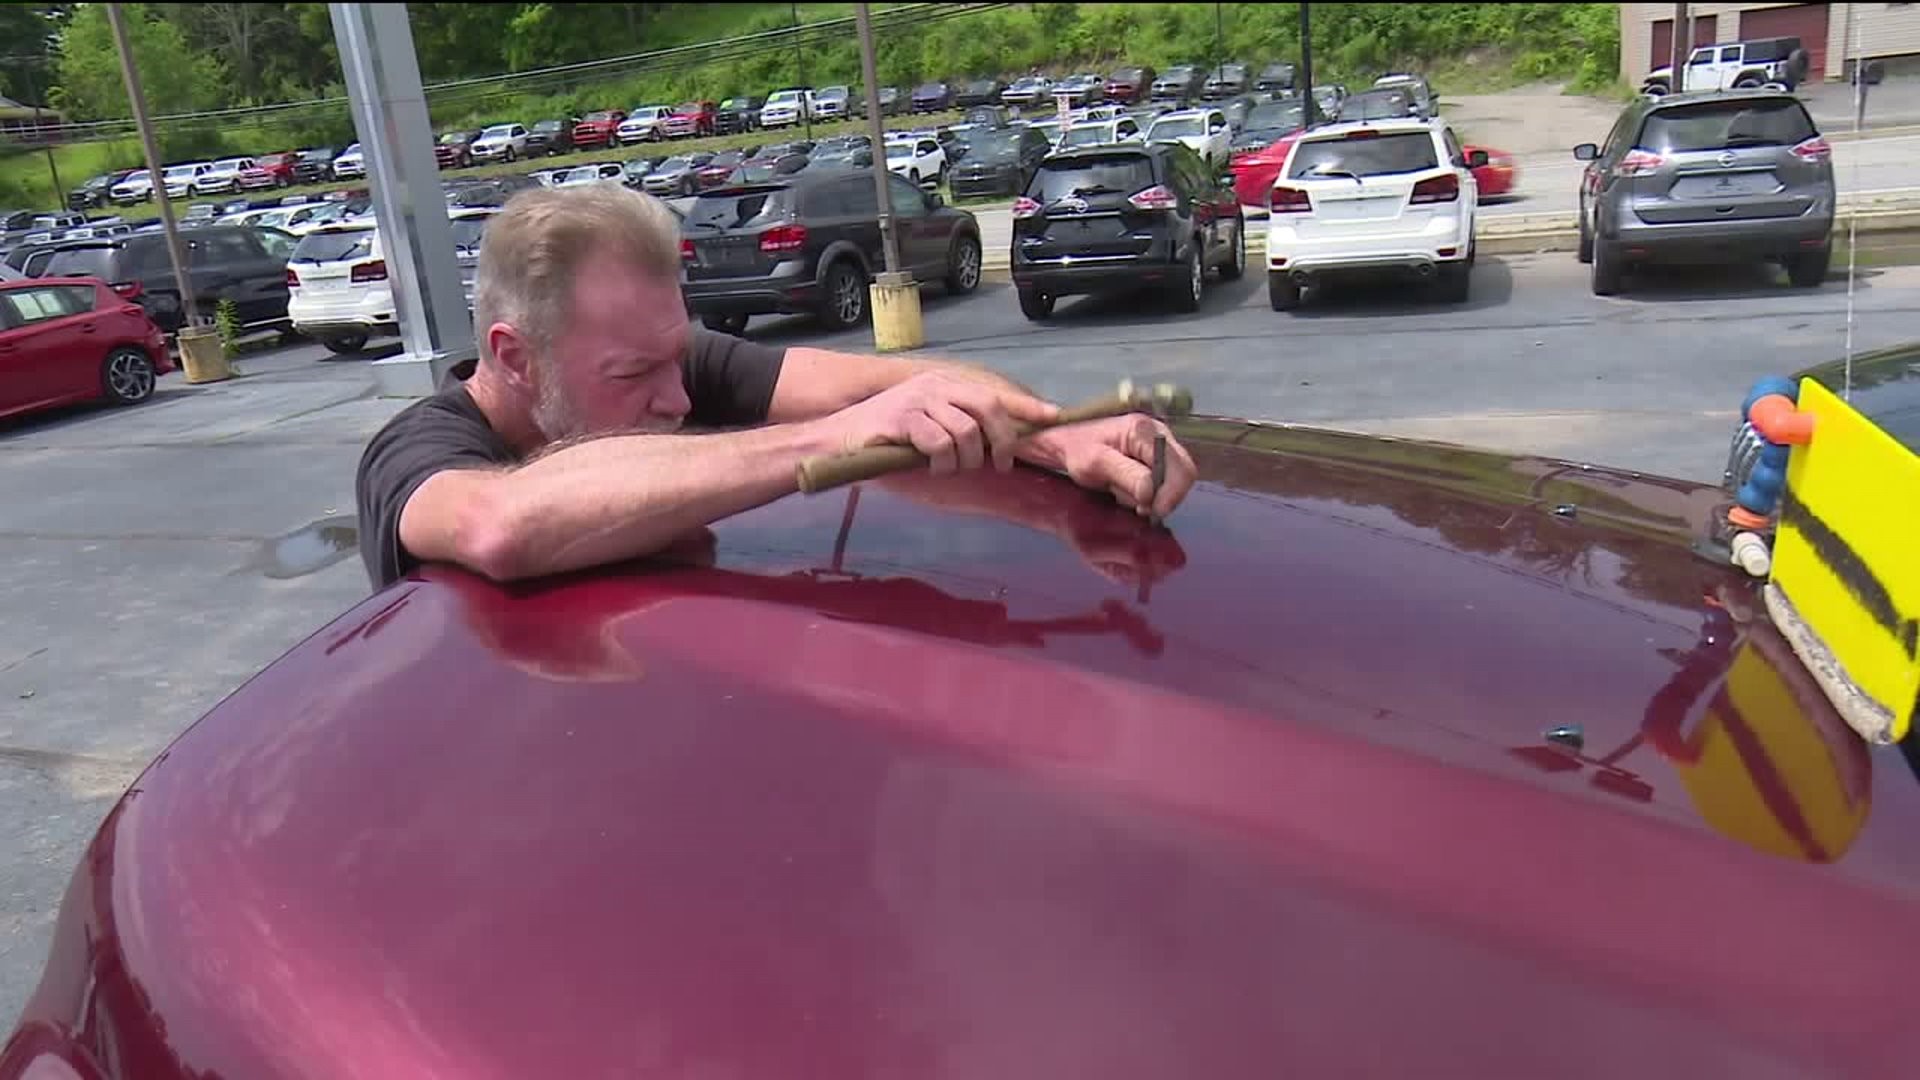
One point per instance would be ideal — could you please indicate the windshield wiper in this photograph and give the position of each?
(1094, 189)
(1335, 170)
(1750, 140)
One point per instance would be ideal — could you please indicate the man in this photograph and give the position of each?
(560, 449)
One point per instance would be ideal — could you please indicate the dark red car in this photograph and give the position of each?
(597, 128)
(692, 118)
(1389, 758)
(1129, 84)
(68, 340)
(454, 149)
(271, 171)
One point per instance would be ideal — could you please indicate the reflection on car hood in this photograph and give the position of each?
(881, 774)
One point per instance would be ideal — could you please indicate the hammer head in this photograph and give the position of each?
(1165, 400)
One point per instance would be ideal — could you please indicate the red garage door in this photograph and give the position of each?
(1705, 30)
(1808, 22)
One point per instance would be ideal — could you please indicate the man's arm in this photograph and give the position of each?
(816, 382)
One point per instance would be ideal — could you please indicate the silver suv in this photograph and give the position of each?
(1708, 177)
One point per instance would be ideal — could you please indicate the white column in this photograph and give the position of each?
(390, 116)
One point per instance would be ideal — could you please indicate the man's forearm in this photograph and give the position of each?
(623, 496)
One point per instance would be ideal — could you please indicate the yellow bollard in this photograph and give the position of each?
(896, 313)
(203, 354)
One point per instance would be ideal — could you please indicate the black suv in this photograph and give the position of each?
(810, 243)
(315, 164)
(1108, 218)
(224, 262)
(995, 161)
(548, 137)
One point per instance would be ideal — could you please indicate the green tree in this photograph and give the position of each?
(174, 77)
(28, 33)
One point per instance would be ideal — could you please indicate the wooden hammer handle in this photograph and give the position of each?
(819, 474)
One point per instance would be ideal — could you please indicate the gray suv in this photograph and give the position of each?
(1724, 176)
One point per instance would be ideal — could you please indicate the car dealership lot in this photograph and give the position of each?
(155, 557)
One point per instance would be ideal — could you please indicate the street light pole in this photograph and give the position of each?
(1682, 41)
(137, 98)
(800, 71)
(1311, 111)
(876, 131)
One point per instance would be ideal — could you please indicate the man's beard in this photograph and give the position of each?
(555, 417)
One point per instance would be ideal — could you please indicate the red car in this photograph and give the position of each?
(1482, 772)
(68, 340)
(273, 170)
(597, 128)
(692, 118)
(1255, 171)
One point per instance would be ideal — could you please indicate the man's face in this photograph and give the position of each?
(616, 364)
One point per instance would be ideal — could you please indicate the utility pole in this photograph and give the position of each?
(876, 130)
(39, 92)
(800, 70)
(137, 98)
(1682, 45)
(1219, 46)
(1305, 80)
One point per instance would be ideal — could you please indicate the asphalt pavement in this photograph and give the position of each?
(155, 557)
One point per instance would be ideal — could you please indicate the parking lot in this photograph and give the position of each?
(155, 557)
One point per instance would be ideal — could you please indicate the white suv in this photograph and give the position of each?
(338, 291)
(1204, 131)
(786, 108)
(1381, 195)
(917, 158)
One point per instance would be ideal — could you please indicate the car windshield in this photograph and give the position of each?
(673, 163)
(467, 231)
(832, 92)
(333, 245)
(229, 165)
(930, 88)
(1177, 127)
(453, 138)
(136, 175)
(1178, 73)
(182, 172)
(1364, 154)
(784, 97)
(1120, 174)
(1089, 135)
(990, 146)
(1715, 125)
(80, 262)
(352, 151)
(498, 131)
(549, 125)
(1286, 115)
(599, 117)
(733, 210)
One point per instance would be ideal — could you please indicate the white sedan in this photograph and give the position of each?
(918, 158)
(501, 142)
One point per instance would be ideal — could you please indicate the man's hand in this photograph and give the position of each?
(1116, 455)
(957, 423)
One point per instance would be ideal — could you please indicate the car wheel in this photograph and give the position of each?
(846, 296)
(1585, 253)
(1036, 305)
(1283, 293)
(735, 324)
(509, 156)
(1237, 265)
(127, 376)
(963, 265)
(1747, 83)
(345, 344)
(913, 177)
(1193, 284)
(1808, 269)
(1606, 269)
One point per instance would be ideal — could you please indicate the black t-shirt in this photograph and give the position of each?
(729, 381)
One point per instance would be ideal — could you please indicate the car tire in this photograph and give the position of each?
(735, 324)
(913, 177)
(1808, 269)
(1585, 251)
(1036, 305)
(1236, 265)
(509, 156)
(1192, 286)
(1607, 272)
(963, 265)
(345, 344)
(127, 376)
(1283, 293)
(844, 296)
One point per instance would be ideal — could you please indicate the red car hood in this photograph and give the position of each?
(896, 785)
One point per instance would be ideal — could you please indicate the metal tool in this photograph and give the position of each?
(1164, 400)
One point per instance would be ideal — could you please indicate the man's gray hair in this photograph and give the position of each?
(536, 245)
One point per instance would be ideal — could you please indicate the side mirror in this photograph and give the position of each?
(1476, 159)
(1586, 151)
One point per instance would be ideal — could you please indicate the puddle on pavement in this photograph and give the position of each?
(311, 548)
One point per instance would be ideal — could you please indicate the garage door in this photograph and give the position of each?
(1705, 32)
(1808, 22)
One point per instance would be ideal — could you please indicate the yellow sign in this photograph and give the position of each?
(1845, 560)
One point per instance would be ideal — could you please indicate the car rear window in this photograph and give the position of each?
(734, 210)
(1365, 154)
(1377, 105)
(1713, 125)
(80, 262)
(1277, 114)
(1121, 173)
(1178, 127)
(319, 247)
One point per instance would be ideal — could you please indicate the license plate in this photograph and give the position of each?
(1364, 209)
(726, 256)
(321, 285)
(1725, 184)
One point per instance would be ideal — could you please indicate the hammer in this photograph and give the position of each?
(819, 474)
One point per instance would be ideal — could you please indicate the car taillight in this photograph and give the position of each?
(293, 279)
(1437, 189)
(783, 238)
(369, 271)
(1814, 149)
(1157, 197)
(130, 290)
(686, 249)
(1286, 200)
(1024, 207)
(1637, 162)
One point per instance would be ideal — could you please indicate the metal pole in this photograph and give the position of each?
(800, 71)
(38, 93)
(1681, 35)
(1312, 113)
(877, 132)
(1219, 47)
(177, 254)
